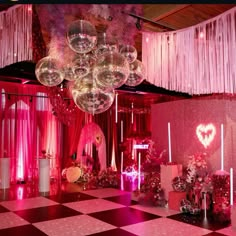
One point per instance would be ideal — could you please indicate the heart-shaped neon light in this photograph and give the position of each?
(206, 134)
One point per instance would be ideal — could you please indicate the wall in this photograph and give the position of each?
(184, 117)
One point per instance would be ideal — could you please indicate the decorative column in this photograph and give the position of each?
(221, 196)
(44, 175)
(168, 173)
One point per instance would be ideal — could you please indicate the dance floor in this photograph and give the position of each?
(69, 209)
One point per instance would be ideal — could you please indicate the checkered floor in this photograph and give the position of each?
(102, 212)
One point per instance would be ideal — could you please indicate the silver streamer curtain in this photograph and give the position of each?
(16, 35)
(197, 60)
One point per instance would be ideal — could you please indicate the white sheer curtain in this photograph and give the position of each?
(196, 60)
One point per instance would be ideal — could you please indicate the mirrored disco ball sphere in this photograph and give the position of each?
(81, 36)
(89, 97)
(49, 72)
(111, 70)
(137, 73)
(83, 64)
(129, 52)
(68, 73)
(105, 44)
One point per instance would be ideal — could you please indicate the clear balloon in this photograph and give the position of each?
(137, 73)
(129, 52)
(105, 44)
(91, 98)
(81, 36)
(111, 70)
(49, 72)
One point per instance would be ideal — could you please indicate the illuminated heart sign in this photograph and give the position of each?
(206, 134)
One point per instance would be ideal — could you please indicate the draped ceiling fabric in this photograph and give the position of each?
(16, 35)
(196, 60)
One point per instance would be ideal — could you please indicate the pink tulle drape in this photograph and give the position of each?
(196, 60)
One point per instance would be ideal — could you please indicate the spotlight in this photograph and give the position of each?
(138, 24)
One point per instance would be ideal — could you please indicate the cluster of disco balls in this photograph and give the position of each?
(99, 67)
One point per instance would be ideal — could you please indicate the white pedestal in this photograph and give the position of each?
(168, 173)
(44, 175)
(4, 172)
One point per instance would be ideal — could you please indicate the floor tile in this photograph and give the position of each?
(73, 226)
(105, 192)
(215, 234)
(10, 219)
(3, 209)
(165, 226)
(27, 203)
(46, 213)
(199, 220)
(123, 216)
(230, 231)
(114, 232)
(161, 211)
(95, 205)
(123, 199)
(70, 197)
(25, 230)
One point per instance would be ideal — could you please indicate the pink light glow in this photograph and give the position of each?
(206, 134)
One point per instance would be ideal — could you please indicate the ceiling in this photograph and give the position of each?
(156, 17)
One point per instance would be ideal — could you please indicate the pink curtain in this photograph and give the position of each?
(28, 127)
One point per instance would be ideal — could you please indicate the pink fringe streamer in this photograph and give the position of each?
(196, 60)
(16, 35)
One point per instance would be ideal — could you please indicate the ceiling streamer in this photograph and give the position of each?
(197, 60)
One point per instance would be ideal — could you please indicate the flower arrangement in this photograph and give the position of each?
(151, 191)
(46, 155)
(199, 182)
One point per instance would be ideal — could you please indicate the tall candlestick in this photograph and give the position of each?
(231, 188)
(132, 113)
(222, 147)
(205, 206)
(121, 131)
(169, 142)
(121, 165)
(139, 172)
(116, 118)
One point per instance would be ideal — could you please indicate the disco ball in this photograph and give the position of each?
(91, 98)
(48, 72)
(136, 73)
(129, 52)
(81, 36)
(111, 70)
(68, 73)
(83, 64)
(105, 44)
(179, 184)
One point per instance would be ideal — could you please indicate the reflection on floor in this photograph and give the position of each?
(69, 209)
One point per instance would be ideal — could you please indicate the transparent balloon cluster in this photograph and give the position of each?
(100, 66)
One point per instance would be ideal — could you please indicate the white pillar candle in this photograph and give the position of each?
(139, 168)
(169, 142)
(116, 118)
(121, 131)
(231, 188)
(121, 165)
(222, 147)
